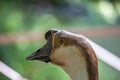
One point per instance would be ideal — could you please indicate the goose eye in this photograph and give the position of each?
(61, 41)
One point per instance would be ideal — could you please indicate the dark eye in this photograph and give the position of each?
(61, 41)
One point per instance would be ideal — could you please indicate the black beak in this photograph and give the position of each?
(43, 54)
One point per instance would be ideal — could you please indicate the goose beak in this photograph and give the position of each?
(43, 54)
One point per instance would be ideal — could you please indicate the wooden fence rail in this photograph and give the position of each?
(96, 32)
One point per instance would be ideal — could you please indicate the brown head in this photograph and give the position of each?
(71, 52)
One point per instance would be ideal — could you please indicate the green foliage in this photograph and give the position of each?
(50, 72)
(107, 73)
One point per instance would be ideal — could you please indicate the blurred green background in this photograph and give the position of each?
(21, 17)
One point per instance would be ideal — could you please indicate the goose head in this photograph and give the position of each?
(71, 52)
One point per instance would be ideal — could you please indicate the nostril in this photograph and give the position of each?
(37, 50)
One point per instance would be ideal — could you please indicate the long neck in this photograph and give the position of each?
(76, 68)
(76, 62)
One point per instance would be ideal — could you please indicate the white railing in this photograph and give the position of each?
(105, 55)
(9, 72)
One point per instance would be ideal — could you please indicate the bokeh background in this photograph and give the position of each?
(24, 22)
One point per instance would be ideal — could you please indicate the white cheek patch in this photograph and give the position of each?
(67, 51)
(73, 59)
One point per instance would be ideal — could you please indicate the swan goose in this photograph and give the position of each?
(71, 52)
